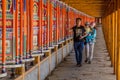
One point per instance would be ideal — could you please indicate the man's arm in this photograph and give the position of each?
(70, 29)
(85, 34)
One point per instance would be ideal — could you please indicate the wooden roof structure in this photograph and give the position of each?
(93, 8)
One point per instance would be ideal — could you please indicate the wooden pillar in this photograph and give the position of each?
(25, 29)
(116, 42)
(63, 19)
(51, 24)
(57, 22)
(113, 38)
(21, 30)
(118, 54)
(40, 24)
(14, 10)
(3, 35)
(31, 26)
(48, 23)
(16, 32)
(28, 29)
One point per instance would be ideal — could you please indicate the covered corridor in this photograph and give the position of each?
(36, 44)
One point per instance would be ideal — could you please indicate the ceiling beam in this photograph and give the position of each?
(91, 7)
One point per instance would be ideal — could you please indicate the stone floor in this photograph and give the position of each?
(99, 69)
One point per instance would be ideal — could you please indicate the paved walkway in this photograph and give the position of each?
(99, 69)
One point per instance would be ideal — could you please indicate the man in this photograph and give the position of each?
(78, 37)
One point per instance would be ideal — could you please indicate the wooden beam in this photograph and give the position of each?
(83, 1)
(95, 8)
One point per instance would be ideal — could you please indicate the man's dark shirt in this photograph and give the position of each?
(78, 31)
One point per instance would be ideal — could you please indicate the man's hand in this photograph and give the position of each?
(69, 29)
(81, 37)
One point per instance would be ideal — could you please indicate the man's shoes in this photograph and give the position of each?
(86, 60)
(78, 65)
